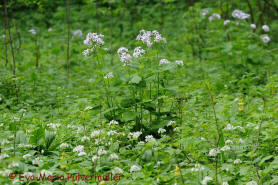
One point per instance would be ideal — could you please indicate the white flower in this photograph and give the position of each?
(138, 51)
(204, 12)
(3, 156)
(117, 170)
(229, 127)
(64, 145)
(122, 50)
(49, 30)
(266, 39)
(237, 161)
(95, 133)
(252, 183)
(101, 152)
(253, 26)
(37, 161)
(265, 28)
(86, 52)
(77, 33)
(111, 133)
(53, 125)
(214, 16)
(78, 149)
(33, 31)
(114, 156)
(149, 138)
(163, 61)
(213, 152)
(26, 156)
(240, 14)
(135, 168)
(225, 148)
(85, 138)
(170, 123)
(94, 158)
(197, 168)
(161, 130)
(109, 75)
(3, 36)
(149, 37)
(206, 180)
(113, 122)
(179, 62)
(134, 135)
(225, 183)
(82, 153)
(228, 142)
(93, 40)
(226, 22)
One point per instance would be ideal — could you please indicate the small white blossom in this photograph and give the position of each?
(36, 161)
(225, 183)
(161, 130)
(163, 61)
(26, 156)
(3, 36)
(94, 158)
(101, 152)
(138, 51)
(53, 125)
(82, 153)
(88, 108)
(226, 22)
(78, 149)
(204, 12)
(266, 39)
(225, 148)
(95, 133)
(64, 145)
(228, 142)
(170, 123)
(49, 30)
(237, 161)
(85, 138)
(229, 127)
(149, 138)
(179, 62)
(114, 156)
(117, 170)
(113, 122)
(206, 180)
(93, 40)
(240, 14)
(214, 16)
(3, 156)
(253, 26)
(109, 75)
(134, 135)
(252, 183)
(197, 168)
(77, 33)
(33, 31)
(135, 168)
(149, 37)
(265, 28)
(213, 152)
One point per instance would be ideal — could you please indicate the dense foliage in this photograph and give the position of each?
(157, 92)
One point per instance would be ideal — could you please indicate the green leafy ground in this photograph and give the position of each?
(213, 117)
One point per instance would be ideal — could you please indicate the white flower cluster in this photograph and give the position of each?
(138, 51)
(214, 16)
(252, 183)
(125, 57)
(225, 148)
(53, 125)
(33, 31)
(206, 180)
(80, 150)
(240, 14)
(101, 152)
(179, 62)
(149, 138)
(265, 28)
(150, 37)
(95, 133)
(213, 152)
(231, 127)
(161, 131)
(26, 156)
(113, 122)
(114, 156)
(77, 33)
(37, 161)
(266, 39)
(3, 156)
(85, 138)
(170, 123)
(64, 145)
(164, 61)
(109, 75)
(204, 12)
(197, 168)
(237, 161)
(93, 40)
(226, 22)
(117, 170)
(134, 135)
(253, 26)
(135, 168)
